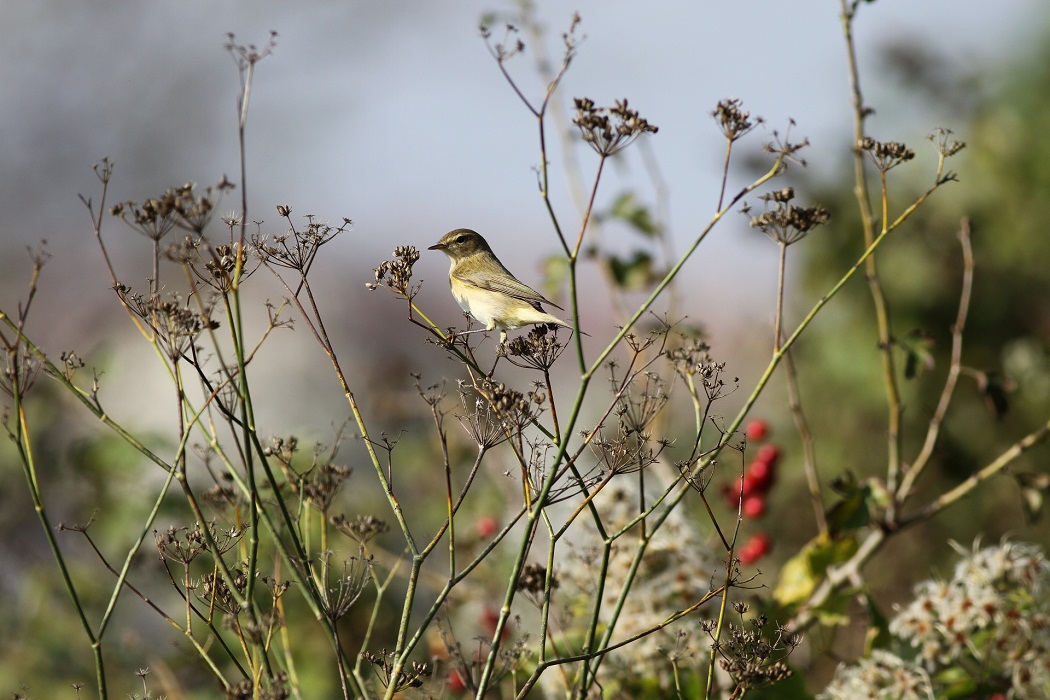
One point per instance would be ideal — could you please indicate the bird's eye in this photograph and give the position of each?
(460, 239)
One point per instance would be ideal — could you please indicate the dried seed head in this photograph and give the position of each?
(363, 528)
(397, 274)
(608, 130)
(946, 145)
(539, 348)
(885, 155)
(786, 223)
(733, 121)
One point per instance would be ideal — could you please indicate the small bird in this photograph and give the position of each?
(486, 290)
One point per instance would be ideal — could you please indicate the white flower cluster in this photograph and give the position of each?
(675, 572)
(881, 676)
(988, 625)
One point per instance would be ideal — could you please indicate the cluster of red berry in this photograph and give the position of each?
(750, 491)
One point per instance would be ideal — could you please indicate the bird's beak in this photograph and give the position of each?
(438, 246)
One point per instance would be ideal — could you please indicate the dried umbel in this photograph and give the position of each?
(626, 452)
(533, 581)
(751, 653)
(383, 665)
(397, 273)
(184, 544)
(20, 370)
(297, 248)
(885, 155)
(608, 130)
(178, 207)
(533, 578)
(340, 595)
(216, 266)
(481, 422)
(213, 590)
(362, 529)
(945, 144)
(693, 359)
(733, 121)
(784, 222)
(538, 349)
(319, 487)
(512, 407)
(175, 325)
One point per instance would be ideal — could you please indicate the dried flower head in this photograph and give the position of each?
(245, 55)
(786, 149)
(626, 452)
(362, 529)
(608, 130)
(184, 544)
(339, 596)
(480, 421)
(175, 325)
(178, 206)
(20, 371)
(397, 273)
(507, 48)
(693, 360)
(213, 265)
(752, 656)
(533, 579)
(733, 121)
(383, 665)
(213, 589)
(786, 223)
(539, 348)
(296, 248)
(513, 408)
(946, 146)
(885, 155)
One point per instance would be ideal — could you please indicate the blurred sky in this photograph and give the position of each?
(393, 114)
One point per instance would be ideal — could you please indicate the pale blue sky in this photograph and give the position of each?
(393, 114)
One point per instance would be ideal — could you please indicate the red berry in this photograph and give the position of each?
(486, 526)
(455, 682)
(754, 549)
(731, 495)
(761, 476)
(754, 506)
(770, 454)
(756, 430)
(490, 619)
(752, 486)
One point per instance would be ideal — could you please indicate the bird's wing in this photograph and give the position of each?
(506, 284)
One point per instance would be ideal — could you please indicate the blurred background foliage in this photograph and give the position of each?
(1004, 182)
(1004, 391)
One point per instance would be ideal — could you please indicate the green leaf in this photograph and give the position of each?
(555, 272)
(626, 208)
(918, 355)
(800, 575)
(955, 682)
(633, 274)
(792, 688)
(1032, 484)
(853, 510)
(878, 636)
